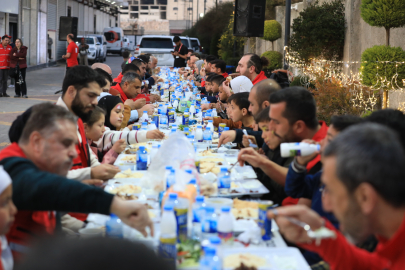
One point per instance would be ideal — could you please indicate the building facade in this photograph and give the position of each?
(34, 20)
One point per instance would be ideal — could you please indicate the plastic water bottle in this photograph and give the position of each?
(160, 109)
(186, 131)
(210, 260)
(215, 243)
(141, 159)
(168, 236)
(199, 134)
(211, 126)
(298, 149)
(144, 126)
(153, 152)
(225, 226)
(194, 183)
(209, 223)
(113, 227)
(224, 179)
(207, 135)
(171, 178)
(144, 117)
(198, 214)
(192, 109)
(192, 141)
(167, 173)
(214, 112)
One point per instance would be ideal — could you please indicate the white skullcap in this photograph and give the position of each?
(5, 179)
(241, 84)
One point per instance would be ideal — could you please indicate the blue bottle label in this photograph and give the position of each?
(181, 218)
(167, 249)
(209, 226)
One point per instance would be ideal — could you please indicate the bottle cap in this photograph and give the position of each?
(173, 196)
(169, 167)
(144, 123)
(189, 171)
(215, 240)
(210, 121)
(224, 169)
(207, 128)
(145, 111)
(210, 251)
(209, 209)
(113, 215)
(168, 207)
(173, 170)
(226, 209)
(199, 126)
(142, 148)
(186, 129)
(200, 198)
(193, 182)
(226, 128)
(190, 136)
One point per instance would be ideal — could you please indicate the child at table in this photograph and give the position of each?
(239, 104)
(114, 109)
(7, 213)
(95, 129)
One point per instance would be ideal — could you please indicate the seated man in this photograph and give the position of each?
(219, 67)
(364, 188)
(38, 164)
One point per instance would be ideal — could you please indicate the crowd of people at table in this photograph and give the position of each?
(61, 153)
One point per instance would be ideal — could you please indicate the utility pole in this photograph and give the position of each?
(287, 26)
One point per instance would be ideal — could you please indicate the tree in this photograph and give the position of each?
(319, 31)
(384, 13)
(275, 60)
(272, 31)
(230, 46)
(211, 25)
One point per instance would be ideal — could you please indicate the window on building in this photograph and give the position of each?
(147, 2)
(175, 8)
(163, 15)
(144, 13)
(162, 8)
(134, 8)
(134, 16)
(154, 7)
(161, 2)
(190, 8)
(144, 7)
(95, 24)
(69, 11)
(175, 0)
(124, 8)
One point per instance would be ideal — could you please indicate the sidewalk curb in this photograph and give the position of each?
(41, 66)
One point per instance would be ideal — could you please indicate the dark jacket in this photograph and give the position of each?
(22, 63)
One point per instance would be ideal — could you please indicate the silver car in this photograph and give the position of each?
(102, 44)
(94, 52)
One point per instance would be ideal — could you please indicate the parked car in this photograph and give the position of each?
(159, 46)
(186, 41)
(102, 44)
(115, 38)
(195, 45)
(128, 44)
(94, 51)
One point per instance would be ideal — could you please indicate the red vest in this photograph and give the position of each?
(124, 97)
(5, 56)
(27, 224)
(82, 160)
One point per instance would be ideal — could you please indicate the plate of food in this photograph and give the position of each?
(268, 258)
(129, 174)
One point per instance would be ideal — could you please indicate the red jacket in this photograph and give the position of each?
(22, 63)
(5, 56)
(27, 224)
(260, 77)
(119, 78)
(124, 97)
(341, 255)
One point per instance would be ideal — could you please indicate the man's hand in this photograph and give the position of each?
(227, 136)
(148, 107)
(292, 232)
(93, 182)
(245, 140)
(206, 106)
(154, 98)
(155, 134)
(202, 72)
(251, 156)
(119, 146)
(218, 106)
(104, 172)
(133, 214)
(130, 103)
(208, 118)
(139, 103)
(305, 160)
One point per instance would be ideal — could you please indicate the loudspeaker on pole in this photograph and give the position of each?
(249, 18)
(67, 25)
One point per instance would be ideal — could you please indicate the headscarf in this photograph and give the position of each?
(241, 84)
(199, 65)
(5, 179)
(108, 103)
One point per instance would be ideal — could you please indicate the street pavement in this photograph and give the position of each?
(41, 86)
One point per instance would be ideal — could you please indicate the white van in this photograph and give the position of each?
(114, 37)
(159, 46)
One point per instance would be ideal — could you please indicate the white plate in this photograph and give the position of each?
(276, 258)
(257, 192)
(246, 171)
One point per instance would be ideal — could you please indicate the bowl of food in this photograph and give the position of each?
(218, 203)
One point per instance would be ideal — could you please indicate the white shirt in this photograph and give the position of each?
(6, 256)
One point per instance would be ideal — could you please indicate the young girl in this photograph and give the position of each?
(114, 109)
(95, 129)
(7, 213)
